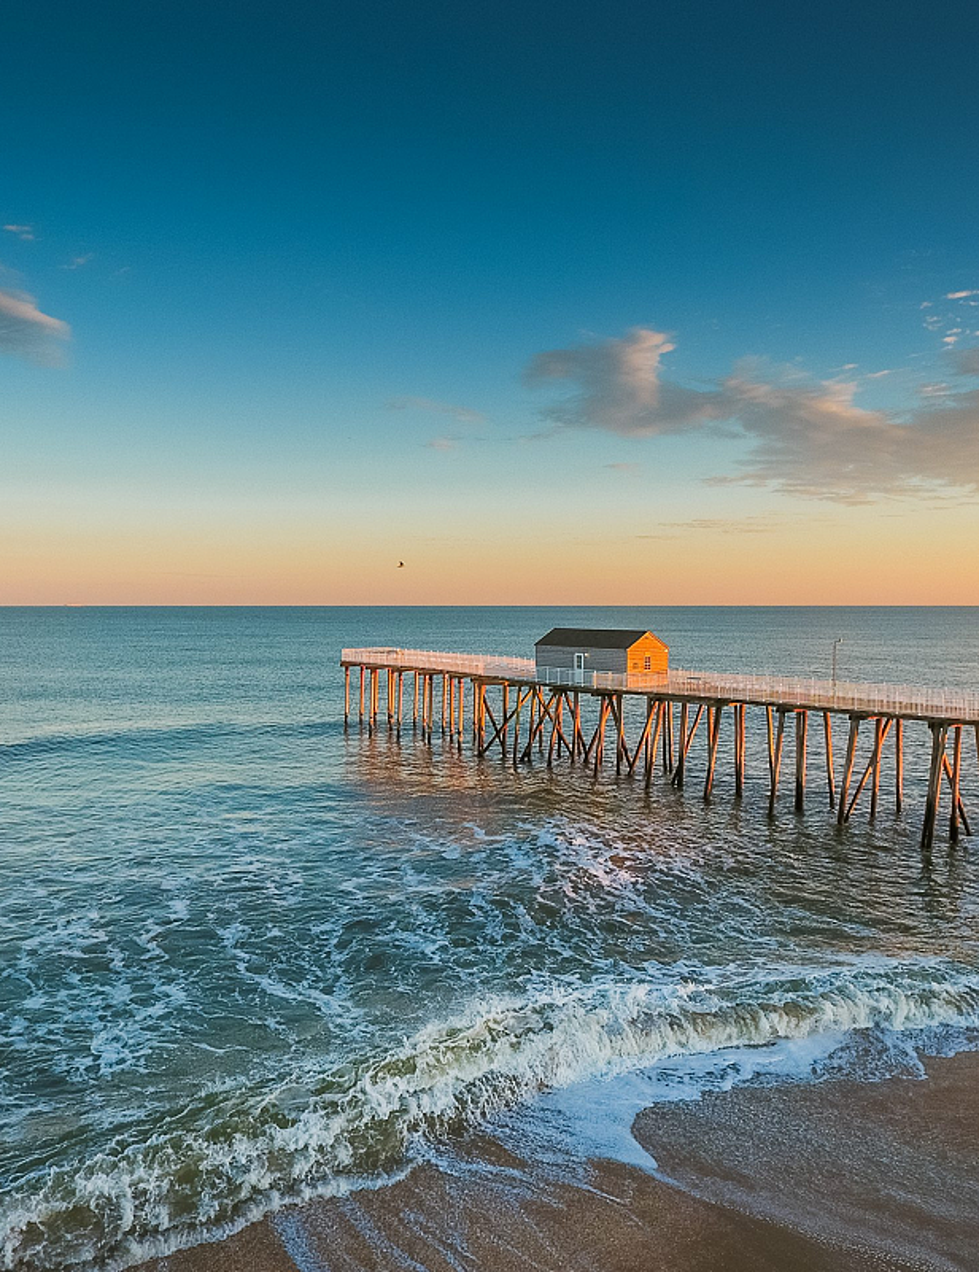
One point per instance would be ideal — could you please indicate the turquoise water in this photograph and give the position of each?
(246, 956)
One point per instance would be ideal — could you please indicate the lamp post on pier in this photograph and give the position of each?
(836, 645)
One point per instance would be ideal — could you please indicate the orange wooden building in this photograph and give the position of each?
(602, 649)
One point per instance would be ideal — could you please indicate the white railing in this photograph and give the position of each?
(437, 661)
(791, 691)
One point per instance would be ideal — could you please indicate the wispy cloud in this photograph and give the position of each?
(25, 232)
(622, 468)
(966, 361)
(25, 330)
(443, 443)
(78, 261)
(803, 436)
(462, 414)
(762, 523)
(807, 437)
(618, 387)
(961, 295)
(815, 440)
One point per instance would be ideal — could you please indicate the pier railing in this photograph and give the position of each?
(864, 698)
(434, 660)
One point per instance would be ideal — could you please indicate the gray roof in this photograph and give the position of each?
(593, 637)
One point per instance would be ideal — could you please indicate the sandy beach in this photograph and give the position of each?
(873, 1176)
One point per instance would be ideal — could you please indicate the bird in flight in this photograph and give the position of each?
(401, 565)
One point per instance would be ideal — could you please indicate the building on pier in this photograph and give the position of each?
(585, 649)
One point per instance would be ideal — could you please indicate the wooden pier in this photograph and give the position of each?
(513, 708)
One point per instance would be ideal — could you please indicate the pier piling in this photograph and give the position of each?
(801, 730)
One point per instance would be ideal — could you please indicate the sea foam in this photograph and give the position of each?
(240, 1154)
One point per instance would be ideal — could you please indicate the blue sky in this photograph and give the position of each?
(278, 271)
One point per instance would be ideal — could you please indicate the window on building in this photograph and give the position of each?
(647, 663)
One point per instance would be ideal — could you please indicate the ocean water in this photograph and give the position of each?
(247, 956)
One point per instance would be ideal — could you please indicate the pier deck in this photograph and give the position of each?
(551, 702)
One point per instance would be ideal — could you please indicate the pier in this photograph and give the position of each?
(643, 724)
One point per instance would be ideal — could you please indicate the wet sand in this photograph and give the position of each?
(873, 1177)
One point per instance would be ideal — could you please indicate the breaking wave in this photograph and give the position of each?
(244, 1149)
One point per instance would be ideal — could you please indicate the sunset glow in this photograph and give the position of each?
(531, 345)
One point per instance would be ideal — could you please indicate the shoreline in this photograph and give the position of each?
(761, 1178)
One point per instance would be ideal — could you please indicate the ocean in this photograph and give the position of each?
(248, 957)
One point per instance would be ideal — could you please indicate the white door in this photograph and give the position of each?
(579, 669)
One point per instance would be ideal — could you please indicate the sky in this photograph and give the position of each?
(629, 303)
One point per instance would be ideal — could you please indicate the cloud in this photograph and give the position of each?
(765, 523)
(813, 439)
(809, 438)
(966, 361)
(28, 332)
(618, 387)
(462, 414)
(960, 295)
(801, 435)
(622, 468)
(78, 261)
(25, 232)
(443, 443)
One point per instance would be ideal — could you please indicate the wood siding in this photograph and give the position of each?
(650, 647)
(595, 659)
(623, 661)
